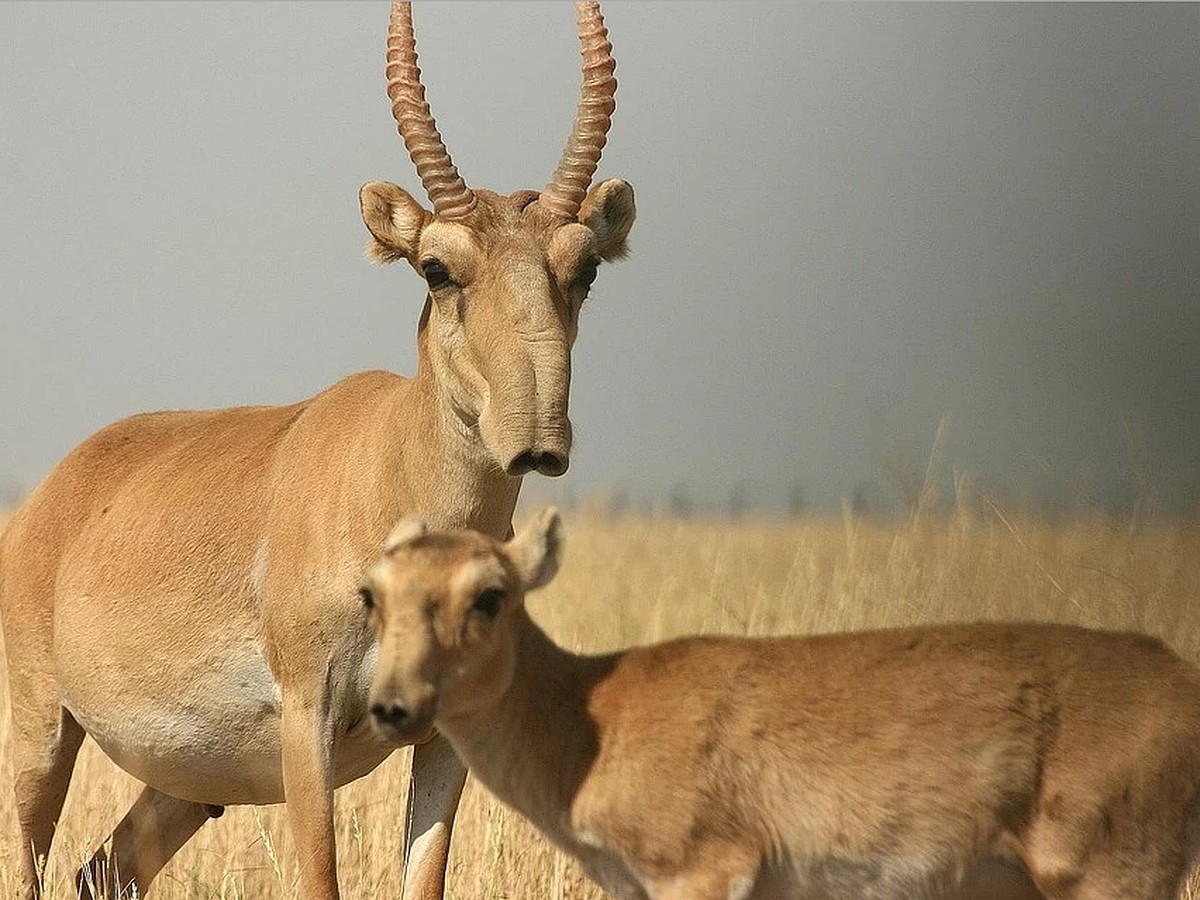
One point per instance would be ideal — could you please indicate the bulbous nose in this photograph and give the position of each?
(390, 715)
(546, 462)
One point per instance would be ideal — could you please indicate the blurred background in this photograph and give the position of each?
(870, 237)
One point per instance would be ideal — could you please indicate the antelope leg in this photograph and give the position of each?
(153, 830)
(308, 790)
(436, 783)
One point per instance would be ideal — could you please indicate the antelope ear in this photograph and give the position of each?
(537, 549)
(609, 211)
(407, 529)
(394, 219)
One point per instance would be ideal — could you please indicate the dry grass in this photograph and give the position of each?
(636, 580)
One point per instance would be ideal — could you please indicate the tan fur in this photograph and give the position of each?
(881, 764)
(183, 585)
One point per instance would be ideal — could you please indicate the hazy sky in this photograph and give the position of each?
(853, 220)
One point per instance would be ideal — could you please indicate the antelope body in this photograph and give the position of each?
(870, 765)
(182, 586)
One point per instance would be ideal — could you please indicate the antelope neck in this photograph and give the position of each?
(548, 697)
(455, 474)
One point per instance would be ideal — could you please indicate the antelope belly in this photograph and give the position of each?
(210, 734)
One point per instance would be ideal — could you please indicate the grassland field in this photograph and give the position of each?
(628, 580)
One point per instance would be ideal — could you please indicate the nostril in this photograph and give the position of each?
(524, 462)
(551, 464)
(394, 714)
(540, 461)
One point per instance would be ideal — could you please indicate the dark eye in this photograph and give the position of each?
(367, 598)
(488, 602)
(435, 274)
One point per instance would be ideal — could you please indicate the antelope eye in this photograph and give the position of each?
(435, 273)
(367, 598)
(488, 602)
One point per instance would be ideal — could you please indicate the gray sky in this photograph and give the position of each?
(853, 219)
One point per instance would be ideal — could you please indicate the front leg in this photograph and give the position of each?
(435, 784)
(308, 790)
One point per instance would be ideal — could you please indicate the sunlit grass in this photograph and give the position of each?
(633, 580)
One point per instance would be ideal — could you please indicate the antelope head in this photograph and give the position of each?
(447, 609)
(506, 274)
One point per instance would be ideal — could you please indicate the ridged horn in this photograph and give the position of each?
(449, 194)
(566, 190)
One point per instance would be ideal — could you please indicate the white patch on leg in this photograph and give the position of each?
(590, 838)
(740, 887)
(422, 845)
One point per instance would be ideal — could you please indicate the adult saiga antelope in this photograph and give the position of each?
(183, 586)
(875, 765)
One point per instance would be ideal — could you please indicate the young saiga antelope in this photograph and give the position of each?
(871, 765)
(182, 587)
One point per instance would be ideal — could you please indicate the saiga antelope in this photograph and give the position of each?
(870, 765)
(183, 586)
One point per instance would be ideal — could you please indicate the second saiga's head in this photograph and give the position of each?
(447, 609)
